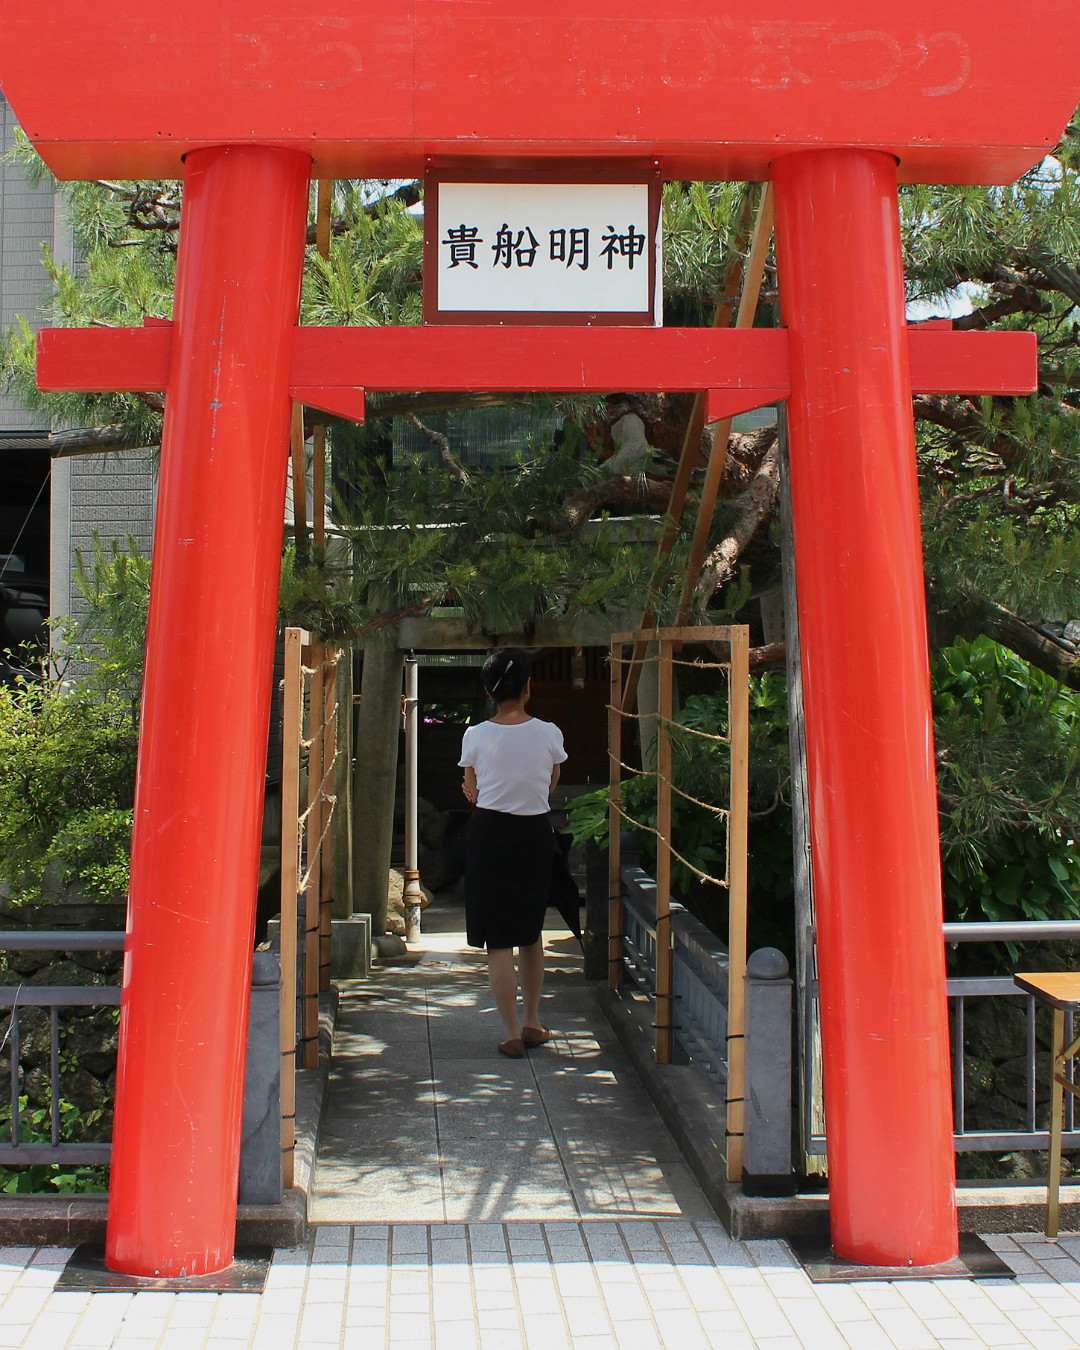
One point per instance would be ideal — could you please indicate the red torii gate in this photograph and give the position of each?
(243, 98)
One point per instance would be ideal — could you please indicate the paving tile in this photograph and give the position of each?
(449, 1251)
(501, 1340)
(905, 1329)
(17, 1257)
(539, 1295)
(24, 1305)
(52, 1331)
(461, 1335)
(492, 1273)
(706, 1290)
(641, 1236)
(73, 1301)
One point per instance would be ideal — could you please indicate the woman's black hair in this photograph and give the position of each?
(506, 673)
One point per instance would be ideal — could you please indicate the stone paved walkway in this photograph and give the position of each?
(591, 1285)
(467, 1202)
(427, 1121)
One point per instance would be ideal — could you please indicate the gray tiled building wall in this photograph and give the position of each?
(26, 221)
(113, 494)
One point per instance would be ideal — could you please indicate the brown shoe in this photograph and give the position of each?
(514, 1049)
(534, 1036)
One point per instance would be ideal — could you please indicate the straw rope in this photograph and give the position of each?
(693, 731)
(721, 811)
(325, 731)
(315, 854)
(322, 795)
(640, 825)
(327, 663)
(630, 768)
(633, 717)
(702, 665)
(669, 722)
(633, 660)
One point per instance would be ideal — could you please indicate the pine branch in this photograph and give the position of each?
(618, 489)
(752, 508)
(963, 418)
(1012, 299)
(975, 612)
(446, 457)
(97, 441)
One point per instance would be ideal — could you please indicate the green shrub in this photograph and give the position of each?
(67, 772)
(1008, 751)
(68, 742)
(62, 1178)
(1008, 785)
(701, 769)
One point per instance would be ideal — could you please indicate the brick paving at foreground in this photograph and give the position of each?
(587, 1285)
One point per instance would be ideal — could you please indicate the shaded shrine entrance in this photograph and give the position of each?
(259, 95)
(425, 1121)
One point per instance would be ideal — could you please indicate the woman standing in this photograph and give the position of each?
(511, 764)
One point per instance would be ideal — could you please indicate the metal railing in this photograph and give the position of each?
(53, 997)
(261, 1159)
(699, 963)
(959, 990)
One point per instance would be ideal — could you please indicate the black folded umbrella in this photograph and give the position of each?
(565, 896)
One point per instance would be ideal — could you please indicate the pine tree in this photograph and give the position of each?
(1000, 477)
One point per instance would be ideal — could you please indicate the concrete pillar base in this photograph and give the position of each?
(350, 948)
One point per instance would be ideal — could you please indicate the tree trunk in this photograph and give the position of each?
(378, 729)
(342, 852)
(977, 613)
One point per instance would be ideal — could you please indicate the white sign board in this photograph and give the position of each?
(542, 252)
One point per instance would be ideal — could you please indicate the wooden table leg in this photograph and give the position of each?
(1057, 1112)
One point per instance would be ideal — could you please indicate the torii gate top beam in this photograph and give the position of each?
(958, 90)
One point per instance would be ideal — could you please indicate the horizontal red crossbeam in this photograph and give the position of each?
(738, 368)
(958, 90)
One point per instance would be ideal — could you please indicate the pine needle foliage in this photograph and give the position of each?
(496, 548)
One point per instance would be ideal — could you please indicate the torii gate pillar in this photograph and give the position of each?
(202, 750)
(869, 731)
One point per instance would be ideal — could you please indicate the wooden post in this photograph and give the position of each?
(318, 446)
(342, 887)
(748, 302)
(318, 484)
(292, 731)
(329, 736)
(808, 1037)
(312, 924)
(299, 475)
(615, 917)
(664, 991)
(739, 733)
(411, 896)
(1057, 1115)
(722, 316)
(323, 220)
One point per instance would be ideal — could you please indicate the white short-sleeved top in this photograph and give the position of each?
(513, 763)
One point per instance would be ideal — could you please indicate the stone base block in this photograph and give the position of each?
(350, 948)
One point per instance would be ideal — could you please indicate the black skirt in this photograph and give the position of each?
(508, 863)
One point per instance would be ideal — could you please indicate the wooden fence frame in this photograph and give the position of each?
(309, 722)
(670, 640)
